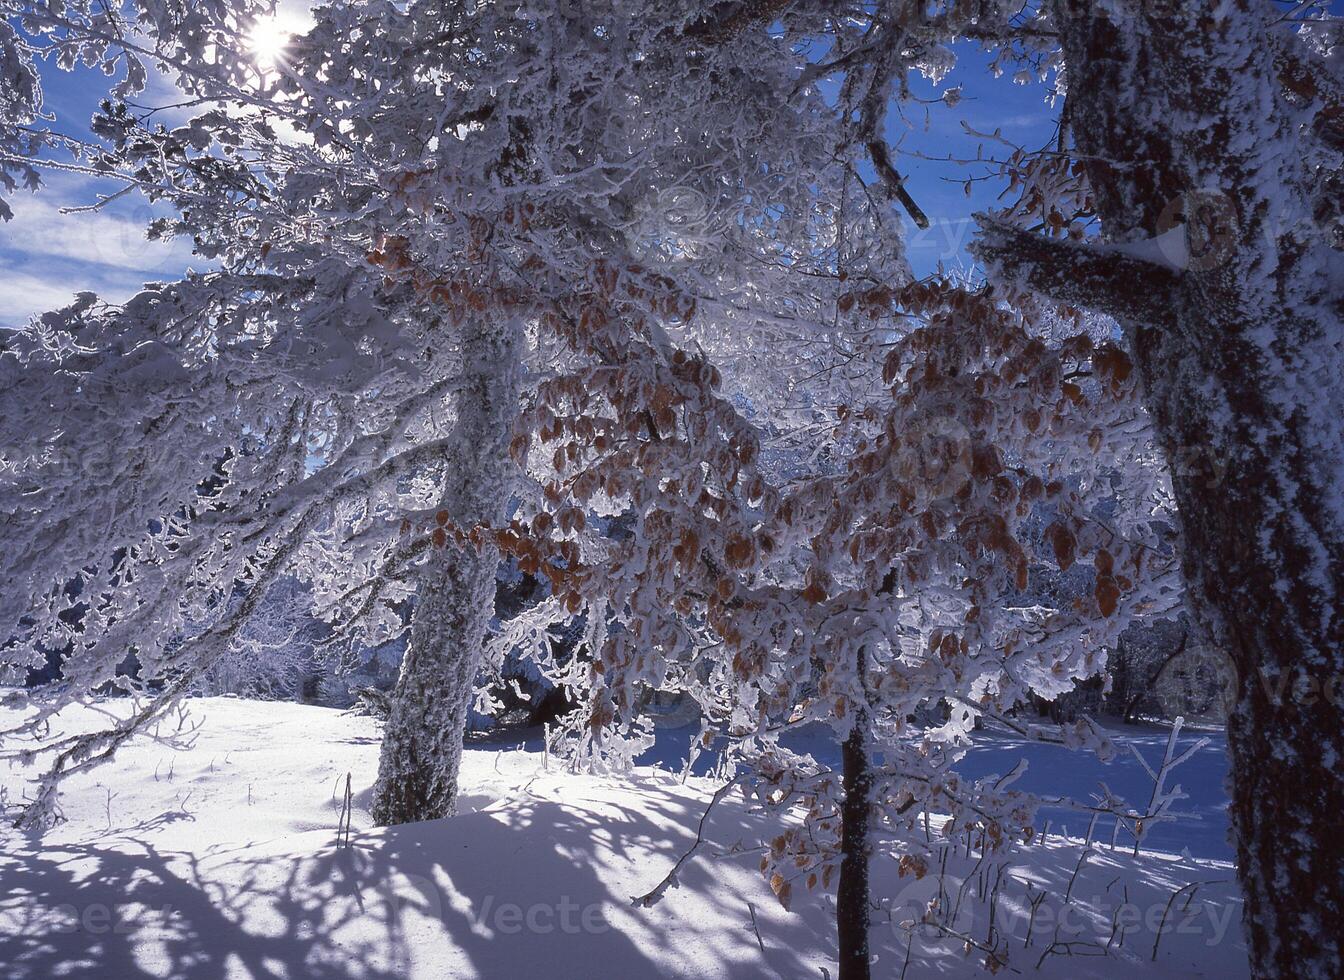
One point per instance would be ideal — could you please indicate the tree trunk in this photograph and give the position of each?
(1184, 117)
(422, 740)
(851, 900)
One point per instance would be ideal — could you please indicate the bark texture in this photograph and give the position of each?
(1196, 113)
(422, 740)
(851, 900)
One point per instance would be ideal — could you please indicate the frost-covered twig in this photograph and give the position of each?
(1159, 803)
(654, 896)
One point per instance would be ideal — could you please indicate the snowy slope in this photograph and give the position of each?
(221, 861)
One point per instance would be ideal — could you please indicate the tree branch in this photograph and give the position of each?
(730, 19)
(893, 183)
(1081, 275)
(649, 899)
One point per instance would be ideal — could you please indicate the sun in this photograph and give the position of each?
(268, 39)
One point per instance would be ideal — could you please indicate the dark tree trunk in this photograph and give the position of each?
(1131, 710)
(1193, 114)
(851, 901)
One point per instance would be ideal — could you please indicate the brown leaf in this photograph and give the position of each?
(1064, 544)
(740, 551)
(1108, 594)
(814, 594)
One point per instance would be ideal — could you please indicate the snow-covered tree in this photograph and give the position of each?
(1210, 139)
(858, 594)
(394, 209)
(644, 221)
(1205, 138)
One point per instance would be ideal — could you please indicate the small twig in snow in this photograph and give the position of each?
(651, 898)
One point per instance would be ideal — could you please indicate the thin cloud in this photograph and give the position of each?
(40, 229)
(25, 294)
(46, 257)
(22, 295)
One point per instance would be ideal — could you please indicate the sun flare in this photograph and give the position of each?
(268, 39)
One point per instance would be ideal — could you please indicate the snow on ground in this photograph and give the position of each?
(221, 860)
(1203, 831)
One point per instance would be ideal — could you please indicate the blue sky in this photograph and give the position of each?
(987, 103)
(47, 256)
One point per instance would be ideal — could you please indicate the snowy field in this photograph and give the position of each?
(222, 860)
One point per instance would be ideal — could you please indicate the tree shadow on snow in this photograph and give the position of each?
(537, 886)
